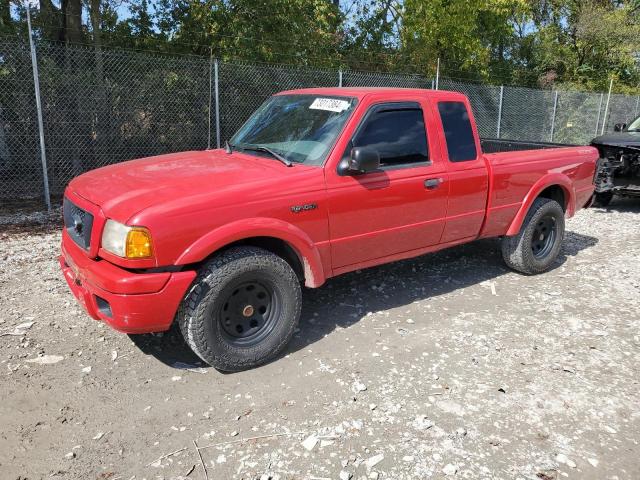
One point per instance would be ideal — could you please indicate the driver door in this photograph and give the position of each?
(400, 207)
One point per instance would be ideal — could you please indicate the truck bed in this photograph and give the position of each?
(518, 166)
(496, 145)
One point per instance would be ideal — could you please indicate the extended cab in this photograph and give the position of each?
(318, 182)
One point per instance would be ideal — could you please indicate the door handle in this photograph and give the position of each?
(432, 183)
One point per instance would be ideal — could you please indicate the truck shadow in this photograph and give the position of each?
(622, 205)
(345, 300)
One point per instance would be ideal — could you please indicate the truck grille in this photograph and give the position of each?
(78, 223)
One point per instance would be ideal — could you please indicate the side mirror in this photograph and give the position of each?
(618, 127)
(361, 160)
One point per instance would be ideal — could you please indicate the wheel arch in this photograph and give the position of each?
(276, 246)
(557, 193)
(276, 236)
(556, 187)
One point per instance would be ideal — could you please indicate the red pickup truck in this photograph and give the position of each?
(318, 182)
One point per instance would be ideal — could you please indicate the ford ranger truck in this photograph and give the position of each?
(316, 183)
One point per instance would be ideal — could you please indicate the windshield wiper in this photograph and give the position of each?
(261, 148)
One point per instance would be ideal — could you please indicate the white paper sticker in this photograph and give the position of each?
(329, 104)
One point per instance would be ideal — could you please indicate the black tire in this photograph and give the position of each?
(539, 241)
(602, 199)
(224, 333)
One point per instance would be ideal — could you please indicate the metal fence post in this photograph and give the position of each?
(637, 105)
(36, 87)
(606, 108)
(217, 90)
(500, 111)
(210, 99)
(340, 78)
(553, 118)
(599, 110)
(437, 73)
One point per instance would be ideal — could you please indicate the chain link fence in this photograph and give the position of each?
(20, 167)
(373, 79)
(485, 100)
(244, 87)
(102, 106)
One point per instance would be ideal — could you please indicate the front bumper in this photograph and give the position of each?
(129, 302)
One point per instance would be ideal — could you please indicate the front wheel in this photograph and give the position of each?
(242, 309)
(539, 241)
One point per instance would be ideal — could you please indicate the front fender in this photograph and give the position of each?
(260, 227)
(547, 181)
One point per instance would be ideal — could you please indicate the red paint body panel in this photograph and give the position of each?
(376, 215)
(107, 276)
(150, 310)
(195, 203)
(518, 178)
(468, 187)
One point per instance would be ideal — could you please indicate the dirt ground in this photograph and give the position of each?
(448, 365)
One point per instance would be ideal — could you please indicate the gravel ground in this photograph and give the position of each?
(448, 365)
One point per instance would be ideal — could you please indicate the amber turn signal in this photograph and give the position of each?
(138, 244)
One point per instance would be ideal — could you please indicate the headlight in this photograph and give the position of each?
(125, 241)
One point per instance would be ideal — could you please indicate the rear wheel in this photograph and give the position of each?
(539, 241)
(242, 309)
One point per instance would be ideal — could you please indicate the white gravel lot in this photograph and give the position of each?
(448, 365)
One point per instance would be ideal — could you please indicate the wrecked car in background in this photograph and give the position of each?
(619, 168)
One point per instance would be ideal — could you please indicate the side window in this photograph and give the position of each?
(397, 134)
(457, 130)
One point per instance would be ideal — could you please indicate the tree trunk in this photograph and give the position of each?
(102, 125)
(52, 29)
(72, 12)
(5, 15)
(72, 33)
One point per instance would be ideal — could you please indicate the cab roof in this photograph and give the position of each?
(390, 92)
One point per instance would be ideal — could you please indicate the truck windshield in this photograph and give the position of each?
(635, 126)
(299, 128)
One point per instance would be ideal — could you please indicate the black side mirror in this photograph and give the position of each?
(361, 160)
(618, 127)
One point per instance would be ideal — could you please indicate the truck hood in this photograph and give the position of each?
(124, 189)
(618, 139)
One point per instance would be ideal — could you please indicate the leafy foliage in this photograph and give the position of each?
(546, 43)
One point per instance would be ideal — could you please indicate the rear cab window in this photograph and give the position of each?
(461, 144)
(397, 132)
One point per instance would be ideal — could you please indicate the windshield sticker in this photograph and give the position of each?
(329, 104)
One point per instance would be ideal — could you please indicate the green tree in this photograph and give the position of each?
(468, 37)
(371, 34)
(584, 43)
(289, 31)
